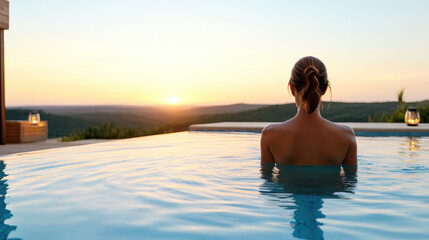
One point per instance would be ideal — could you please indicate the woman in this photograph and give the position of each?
(308, 138)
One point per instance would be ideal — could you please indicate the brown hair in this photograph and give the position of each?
(310, 80)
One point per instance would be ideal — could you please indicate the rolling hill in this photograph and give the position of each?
(64, 120)
(337, 112)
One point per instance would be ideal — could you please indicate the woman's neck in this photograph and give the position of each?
(304, 115)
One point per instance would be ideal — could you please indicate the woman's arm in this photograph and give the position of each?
(266, 155)
(351, 156)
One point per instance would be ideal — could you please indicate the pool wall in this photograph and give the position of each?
(361, 129)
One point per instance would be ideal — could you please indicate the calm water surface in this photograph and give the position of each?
(197, 185)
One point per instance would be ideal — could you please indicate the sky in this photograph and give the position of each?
(104, 52)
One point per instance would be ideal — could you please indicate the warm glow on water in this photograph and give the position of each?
(197, 185)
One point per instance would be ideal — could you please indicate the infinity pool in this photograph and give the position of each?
(199, 185)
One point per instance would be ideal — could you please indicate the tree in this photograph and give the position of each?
(399, 114)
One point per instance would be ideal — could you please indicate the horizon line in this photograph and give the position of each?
(189, 105)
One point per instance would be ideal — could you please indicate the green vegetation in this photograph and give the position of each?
(399, 114)
(337, 111)
(58, 125)
(65, 121)
(424, 111)
(133, 122)
(111, 131)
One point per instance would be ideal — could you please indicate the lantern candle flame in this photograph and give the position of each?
(34, 118)
(412, 116)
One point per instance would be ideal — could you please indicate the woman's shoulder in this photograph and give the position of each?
(342, 129)
(276, 127)
(270, 128)
(276, 131)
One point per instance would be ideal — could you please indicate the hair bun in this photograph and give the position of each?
(310, 80)
(310, 70)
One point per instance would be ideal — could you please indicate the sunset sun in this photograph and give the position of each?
(173, 100)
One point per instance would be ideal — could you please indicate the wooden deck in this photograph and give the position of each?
(361, 129)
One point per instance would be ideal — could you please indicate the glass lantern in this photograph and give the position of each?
(412, 116)
(34, 118)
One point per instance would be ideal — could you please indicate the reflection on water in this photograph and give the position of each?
(302, 189)
(411, 149)
(5, 214)
(412, 144)
(196, 185)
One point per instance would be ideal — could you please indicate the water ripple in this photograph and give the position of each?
(195, 185)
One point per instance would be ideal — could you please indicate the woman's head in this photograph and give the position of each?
(310, 81)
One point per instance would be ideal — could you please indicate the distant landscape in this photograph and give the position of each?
(63, 121)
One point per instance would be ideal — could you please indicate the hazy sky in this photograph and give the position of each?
(211, 52)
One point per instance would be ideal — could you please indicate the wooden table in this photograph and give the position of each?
(25, 132)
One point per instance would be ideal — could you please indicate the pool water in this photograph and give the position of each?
(199, 185)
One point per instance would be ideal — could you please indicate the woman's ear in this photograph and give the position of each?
(292, 90)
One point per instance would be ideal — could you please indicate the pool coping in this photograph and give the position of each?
(17, 148)
(360, 128)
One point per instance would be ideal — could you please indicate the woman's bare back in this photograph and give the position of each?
(308, 140)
